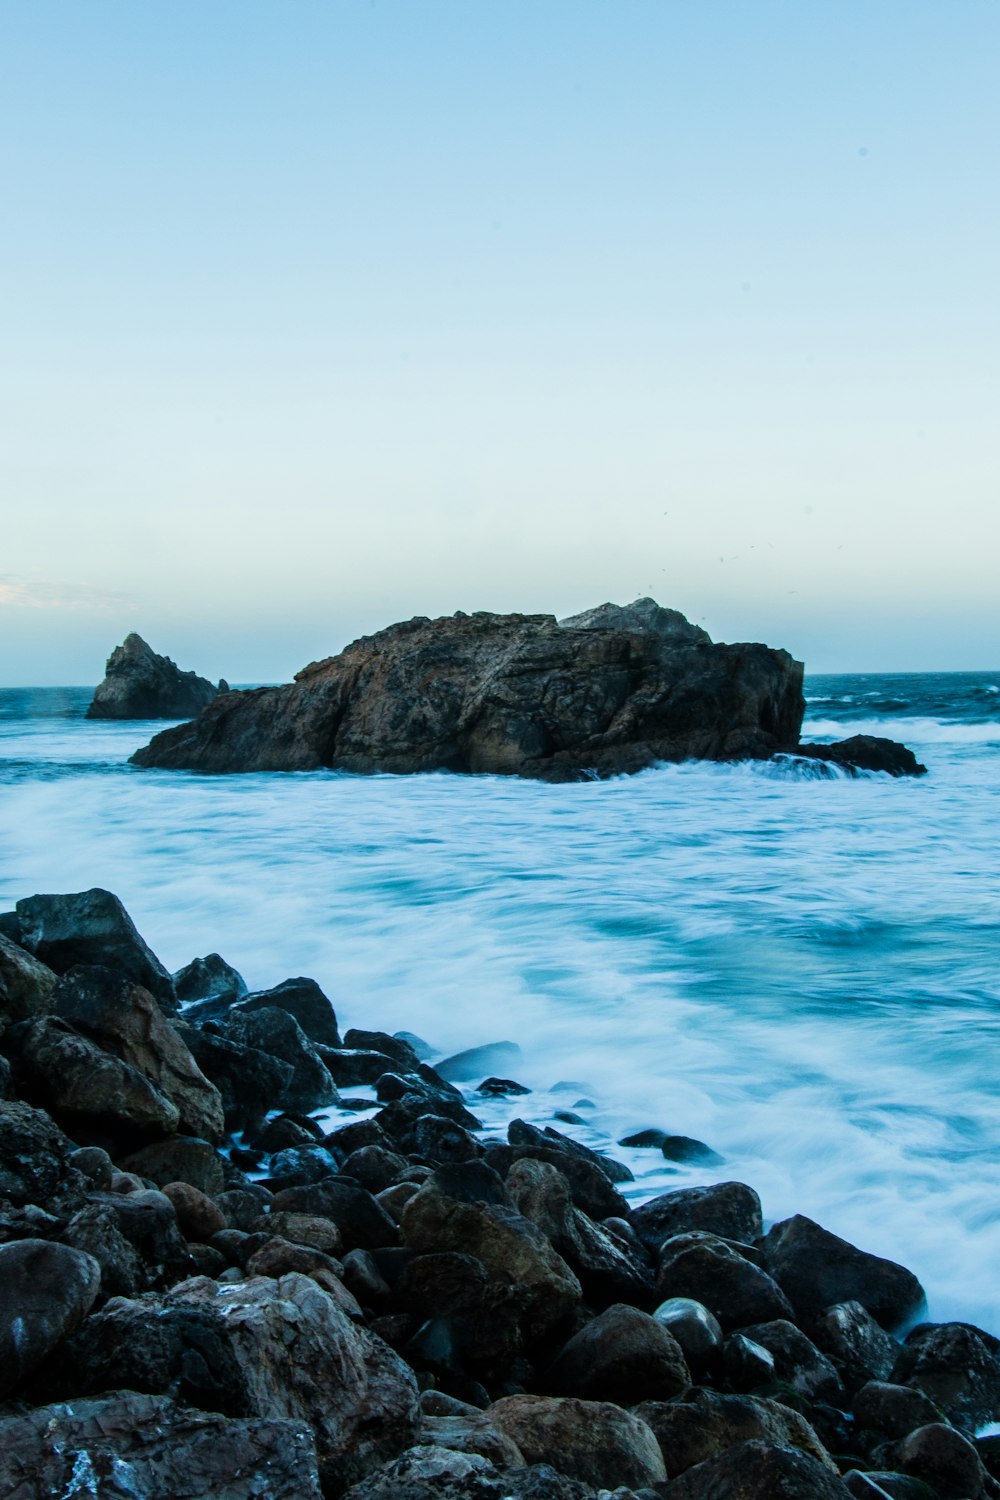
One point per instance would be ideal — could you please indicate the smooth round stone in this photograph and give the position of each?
(695, 1328)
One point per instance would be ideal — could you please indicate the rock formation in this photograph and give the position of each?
(142, 685)
(614, 690)
(404, 1306)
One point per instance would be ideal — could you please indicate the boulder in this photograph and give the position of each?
(96, 1095)
(303, 999)
(476, 1062)
(182, 1159)
(503, 694)
(695, 1329)
(35, 1159)
(858, 1345)
(25, 984)
(730, 1210)
(893, 1410)
(759, 1471)
(363, 1223)
(209, 978)
(279, 1350)
(816, 1269)
(276, 1032)
(866, 752)
(123, 1018)
(958, 1367)
(94, 1229)
(622, 1355)
(510, 1247)
(708, 1270)
(249, 1080)
(706, 1423)
(139, 684)
(944, 1459)
(47, 1290)
(91, 927)
(593, 1441)
(122, 1445)
(797, 1361)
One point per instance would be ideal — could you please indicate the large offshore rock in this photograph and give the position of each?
(142, 685)
(505, 694)
(122, 1445)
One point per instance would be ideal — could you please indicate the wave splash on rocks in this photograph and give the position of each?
(243, 1252)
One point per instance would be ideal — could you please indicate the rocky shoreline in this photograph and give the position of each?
(207, 1291)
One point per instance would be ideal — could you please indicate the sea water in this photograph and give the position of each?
(800, 969)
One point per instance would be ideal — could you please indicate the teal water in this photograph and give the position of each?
(801, 970)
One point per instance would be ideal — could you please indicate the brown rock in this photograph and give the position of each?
(506, 694)
(622, 1355)
(197, 1216)
(705, 1424)
(733, 1289)
(592, 1441)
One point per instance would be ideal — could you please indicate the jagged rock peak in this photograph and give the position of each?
(140, 684)
(642, 614)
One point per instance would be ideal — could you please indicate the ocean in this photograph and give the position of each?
(800, 969)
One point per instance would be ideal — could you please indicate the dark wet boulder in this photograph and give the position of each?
(148, 1221)
(685, 1148)
(94, 1230)
(209, 979)
(400, 1116)
(362, 1221)
(816, 1269)
(123, 1018)
(47, 1290)
(858, 1345)
(957, 1366)
(250, 1081)
(591, 1185)
(943, 1459)
(758, 1470)
(375, 1167)
(476, 1062)
(893, 1410)
(704, 1423)
(91, 927)
(181, 1158)
(402, 1052)
(595, 1442)
(730, 1210)
(303, 999)
(36, 1159)
(453, 1295)
(438, 1141)
(797, 1361)
(511, 1247)
(696, 1330)
(351, 1067)
(520, 1133)
(867, 752)
(622, 1355)
(501, 1088)
(25, 984)
(733, 1289)
(275, 1031)
(503, 694)
(95, 1095)
(140, 684)
(609, 1270)
(746, 1365)
(162, 1451)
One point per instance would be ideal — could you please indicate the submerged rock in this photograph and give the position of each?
(139, 684)
(509, 695)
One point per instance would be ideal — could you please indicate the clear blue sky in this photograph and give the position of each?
(320, 315)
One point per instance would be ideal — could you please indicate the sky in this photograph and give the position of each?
(319, 314)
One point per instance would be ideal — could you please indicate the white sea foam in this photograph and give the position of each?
(802, 973)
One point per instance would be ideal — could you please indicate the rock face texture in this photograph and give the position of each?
(611, 691)
(139, 684)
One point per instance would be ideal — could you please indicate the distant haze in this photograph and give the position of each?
(319, 316)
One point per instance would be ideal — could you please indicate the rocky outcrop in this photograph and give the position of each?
(404, 1307)
(139, 684)
(611, 691)
(866, 752)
